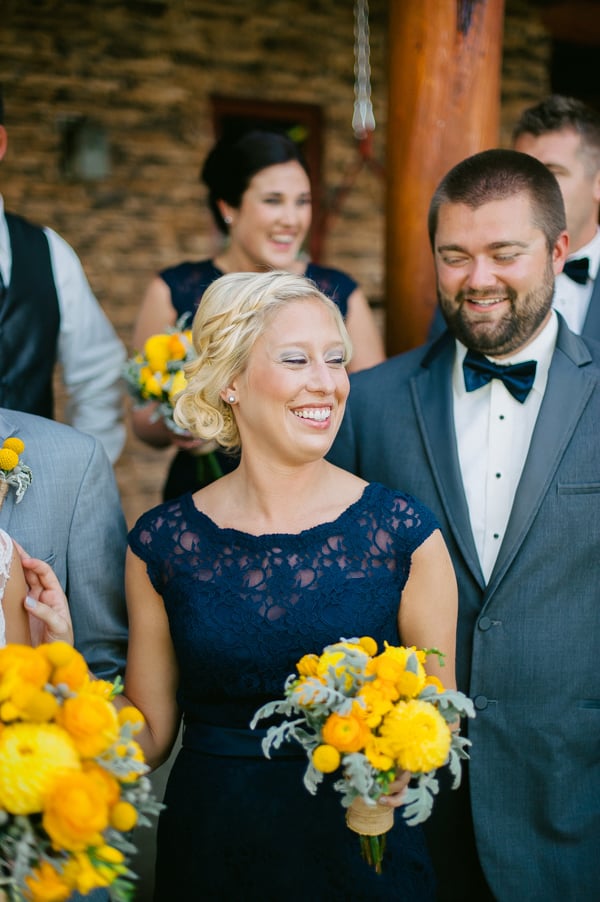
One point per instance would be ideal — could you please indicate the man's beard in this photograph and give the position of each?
(510, 333)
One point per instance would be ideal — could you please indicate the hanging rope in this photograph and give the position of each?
(363, 121)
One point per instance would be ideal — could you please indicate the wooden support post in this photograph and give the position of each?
(444, 100)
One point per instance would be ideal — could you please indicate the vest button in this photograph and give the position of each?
(480, 702)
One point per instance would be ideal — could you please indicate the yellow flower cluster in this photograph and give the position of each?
(9, 453)
(68, 755)
(386, 721)
(156, 374)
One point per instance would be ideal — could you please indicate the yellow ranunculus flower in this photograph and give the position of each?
(377, 754)
(21, 664)
(345, 733)
(391, 665)
(75, 812)
(378, 698)
(105, 780)
(123, 817)
(132, 716)
(34, 757)
(8, 459)
(418, 736)
(73, 673)
(91, 722)
(177, 349)
(157, 351)
(15, 444)
(307, 665)
(83, 876)
(31, 704)
(44, 884)
(326, 758)
(150, 387)
(178, 384)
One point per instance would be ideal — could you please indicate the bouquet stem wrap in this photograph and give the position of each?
(371, 822)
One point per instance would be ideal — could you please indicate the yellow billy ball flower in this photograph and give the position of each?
(326, 758)
(75, 812)
(44, 884)
(418, 736)
(157, 350)
(8, 459)
(177, 385)
(15, 444)
(132, 716)
(34, 757)
(369, 645)
(123, 816)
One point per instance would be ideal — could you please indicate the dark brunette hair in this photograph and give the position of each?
(497, 175)
(232, 163)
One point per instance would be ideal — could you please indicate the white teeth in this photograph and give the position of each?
(314, 413)
(283, 239)
(485, 302)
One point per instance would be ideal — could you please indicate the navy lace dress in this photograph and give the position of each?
(242, 610)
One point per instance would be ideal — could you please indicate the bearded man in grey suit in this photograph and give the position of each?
(506, 452)
(71, 517)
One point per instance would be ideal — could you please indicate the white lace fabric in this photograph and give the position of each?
(6, 549)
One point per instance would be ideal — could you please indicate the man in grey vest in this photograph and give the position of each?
(48, 314)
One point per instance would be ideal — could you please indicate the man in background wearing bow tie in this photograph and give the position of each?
(564, 134)
(495, 427)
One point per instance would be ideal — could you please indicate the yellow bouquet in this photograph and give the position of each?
(157, 374)
(72, 782)
(371, 716)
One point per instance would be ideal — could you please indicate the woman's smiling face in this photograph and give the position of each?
(290, 399)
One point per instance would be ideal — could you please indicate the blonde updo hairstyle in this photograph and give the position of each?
(234, 312)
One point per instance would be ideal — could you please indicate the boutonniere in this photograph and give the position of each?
(12, 470)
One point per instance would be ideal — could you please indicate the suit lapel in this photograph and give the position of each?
(7, 429)
(567, 393)
(591, 326)
(432, 396)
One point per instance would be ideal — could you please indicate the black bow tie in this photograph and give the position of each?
(518, 378)
(578, 270)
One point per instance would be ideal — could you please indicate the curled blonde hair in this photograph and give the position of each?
(233, 313)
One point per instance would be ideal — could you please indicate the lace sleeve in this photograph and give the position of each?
(6, 548)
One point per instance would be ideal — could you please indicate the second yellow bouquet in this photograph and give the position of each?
(72, 778)
(371, 716)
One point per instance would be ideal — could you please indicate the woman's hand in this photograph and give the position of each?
(46, 603)
(395, 794)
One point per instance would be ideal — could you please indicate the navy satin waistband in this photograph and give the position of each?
(233, 743)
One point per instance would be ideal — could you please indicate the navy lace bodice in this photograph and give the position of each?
(243, 609)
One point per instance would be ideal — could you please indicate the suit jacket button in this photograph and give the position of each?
(484, 623)
(480, 702)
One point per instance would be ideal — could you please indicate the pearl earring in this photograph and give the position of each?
(228, 220)
(231, 399)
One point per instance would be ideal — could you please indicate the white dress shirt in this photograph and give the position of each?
(493, 434)
(90, 354)
(571, 299)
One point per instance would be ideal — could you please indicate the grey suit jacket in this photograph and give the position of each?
(71, 517)
(528, 641)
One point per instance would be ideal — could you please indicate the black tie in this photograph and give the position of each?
(518, 378)
(578, 270)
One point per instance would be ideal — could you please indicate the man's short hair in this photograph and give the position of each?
(497, 175)
(557, 113)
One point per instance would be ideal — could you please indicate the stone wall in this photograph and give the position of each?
(144, 70)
